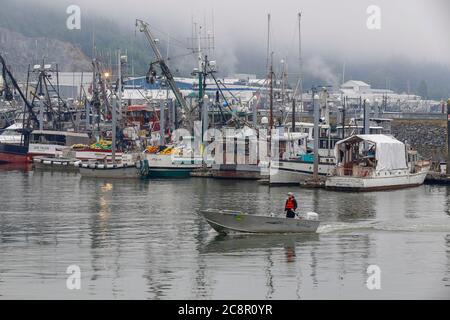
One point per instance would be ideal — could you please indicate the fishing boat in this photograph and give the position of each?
(225, 221)
(296, 160)
(126, 166)
(13, 147)
(51, 143)
(51, 163)
(171, 166)
(235, 160)
(376, 162)
(176, 160)
(298, 165)
(113, 170)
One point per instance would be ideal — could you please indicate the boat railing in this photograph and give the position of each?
(353, 170)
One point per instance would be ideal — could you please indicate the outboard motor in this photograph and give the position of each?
(312, 216)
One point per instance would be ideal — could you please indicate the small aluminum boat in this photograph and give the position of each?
(225, 221)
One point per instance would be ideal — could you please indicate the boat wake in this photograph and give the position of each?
(402, 226)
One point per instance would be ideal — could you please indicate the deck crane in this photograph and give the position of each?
(29, 106)
(144, 27)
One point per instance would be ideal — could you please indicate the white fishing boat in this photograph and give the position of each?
(296, 163)
(294, 171)
(50, 143)
(171, 161)
(376, 162)
(298, 166)
(225, 221)
(12, 134)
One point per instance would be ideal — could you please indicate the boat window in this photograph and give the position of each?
(48, 139)
(10, 132)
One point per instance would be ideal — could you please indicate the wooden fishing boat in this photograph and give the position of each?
(225, 221)
(371, 162)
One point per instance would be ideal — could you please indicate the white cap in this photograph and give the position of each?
(290, 194)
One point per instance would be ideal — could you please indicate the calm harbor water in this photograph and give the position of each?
(145, 240)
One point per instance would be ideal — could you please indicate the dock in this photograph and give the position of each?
(434, 177)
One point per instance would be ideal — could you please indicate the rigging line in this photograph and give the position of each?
(168, 35)
(291, 43)
(149, 103)
(258, 91)
(180, 56)
(183, 46)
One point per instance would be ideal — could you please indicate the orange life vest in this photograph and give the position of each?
(290, 203)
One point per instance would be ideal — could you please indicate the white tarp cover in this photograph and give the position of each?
(390, 153)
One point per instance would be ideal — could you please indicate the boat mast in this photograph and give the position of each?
(300, 79)
(271, 91)
(113, 107)
(269, 66)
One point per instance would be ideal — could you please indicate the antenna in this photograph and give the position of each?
(213, 35)
(343, 73)
(202, 40)
(268, 43)
(300, 61)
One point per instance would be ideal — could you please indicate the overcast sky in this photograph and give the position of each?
(417, 29)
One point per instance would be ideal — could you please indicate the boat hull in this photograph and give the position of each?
(225, 222)
(169, 166)
(55, 164)
(342, 183)
(169, 172)
(10, 153)
(237, 171)
(129, 172)
(295, 172)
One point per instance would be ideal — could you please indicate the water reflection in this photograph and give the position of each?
(22, 167)
(243, 243)
(145, 239)
(446, 279)
(447, 208)
(269, 275)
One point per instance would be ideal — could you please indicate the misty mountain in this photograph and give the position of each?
(20, 51)
(28, 21)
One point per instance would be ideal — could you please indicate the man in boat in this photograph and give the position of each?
(290, 206)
